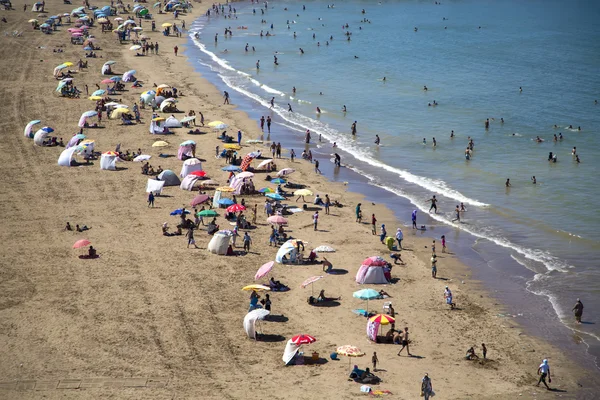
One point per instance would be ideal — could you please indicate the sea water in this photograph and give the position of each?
(473, 56)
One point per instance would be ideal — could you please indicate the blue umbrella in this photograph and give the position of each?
(47, 129)
(226, 202)
(278, 181)
(116, 78)
(275, 196)
(367, 294)
(99, 92)
(179, 211)
(87, 48)
(231, 168)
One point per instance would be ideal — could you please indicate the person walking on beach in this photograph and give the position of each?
(484, 350)
(175, 50)
(433, 201)
(457, 213)
(239, 137)
(414, 219)
(399, 237)
(269, 124)
(254, 212)
(262, 123)
(544, 371)
(327, 204)
(317, 170)
(405, 343)
(383, 234)
(426, 387)
(578, 311)
(225, 101)
(443, 243)
(373, 224)
(316, 219)
(190, 236)
(151, 199)
(247, 242)
(307, 137)
(448, 297)
(375, 360)
(358, 213)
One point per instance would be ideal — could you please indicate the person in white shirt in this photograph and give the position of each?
(399, 237)
(544, 371)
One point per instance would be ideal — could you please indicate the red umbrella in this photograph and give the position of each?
(201, 198)
(374, 261)
(81, 243)
(107, 81)
(235, 208)
(198, 173)
(303, 339)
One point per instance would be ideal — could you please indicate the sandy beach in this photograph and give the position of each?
(171, 317)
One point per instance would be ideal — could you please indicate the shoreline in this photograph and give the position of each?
(134, 294)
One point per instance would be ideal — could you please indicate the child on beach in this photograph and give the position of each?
(375, 360)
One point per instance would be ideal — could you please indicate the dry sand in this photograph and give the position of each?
(149, 308)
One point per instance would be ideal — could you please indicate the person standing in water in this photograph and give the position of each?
(433, 201)
(457, 213)
(578, 311)
(353, 128)
(414, 219)
(377, 140)
(507, 182)
(344, 108)
(307, 136)
(272, 102)
(290, 108)
(533, 180)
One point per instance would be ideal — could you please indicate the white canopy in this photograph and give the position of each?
(250, 321)
(154, 186)
(219, 243)
(290, 351)
(286, 250)
(190, 165)
(108, 161)
(39, 137)
(64, 160)
(172, 122)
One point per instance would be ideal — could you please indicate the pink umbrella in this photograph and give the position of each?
(235, 208)
(277, 220)
(303, 339)
(374, 261)
(107, 81)
(76, 34)
(81, 243)
(74, 30)
(201, 198)
(264, 270)
(310, 281)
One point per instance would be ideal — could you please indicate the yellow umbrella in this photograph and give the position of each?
(163, 86)
(167, 25)
(215, 123)
(158, 119)
(117, 113)
(102, 20)
(87, 141)
(303, 192)
(68, 64)
(209, 182)
(160, 143)
(349, 351)
(257, 288)
(95, 98)
(383, 319)
(31, 21)
(225, 189)
(232, 146)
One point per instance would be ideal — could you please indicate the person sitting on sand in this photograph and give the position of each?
(322, 297)
(68, 227)
(368, 378)
(383, 294)
(91, 252)
(471, 354)
(327, 266)
(81, 229)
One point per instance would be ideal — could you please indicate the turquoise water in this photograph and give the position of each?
(473, 56)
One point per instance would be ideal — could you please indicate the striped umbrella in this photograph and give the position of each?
(349, 351)
(310, 282)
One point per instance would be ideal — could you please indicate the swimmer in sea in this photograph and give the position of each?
(555, 138)
(425, 88)
(272, 102)
(570, 126)
(301, 51)
(520, 89)
(574, 151)
(434, 142)
(344, 108)
(383, 79)
(452, 135)
(507, 184)
(334, 144)
(318, 110)
(377, 140)
(501, 120)
(290, 108)
(560, 136)
(462, 207)
(258, 64)
(577, 159)
(424, 141)
(538, 139)
(353, 128)
(294, 90)
(533, 180)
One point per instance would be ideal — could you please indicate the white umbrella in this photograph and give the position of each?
(324, 249)
(142, 157)
(265, 163)
(286, 171)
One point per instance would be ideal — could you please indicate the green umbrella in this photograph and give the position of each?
(207, 213)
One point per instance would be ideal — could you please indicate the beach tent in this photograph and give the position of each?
(37, 7)
(219, 243)
(250, 321)
(39, 137)
(107, 67)
(371, 274)
(291, 349)
(108, 161)
(372, 329)
(85, 116)
(189, 166)
(173, 122)
(188, 182)
(169, 178)
(236, 183)
(154, 186)
(167, 106)
(129, 76)
(287, 250)
(29, 127)
(187, 150)
(158, 128)
(65, 158)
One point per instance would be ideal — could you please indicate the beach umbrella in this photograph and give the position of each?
(278, 181)
(277, 220)
(76, 34)
(44, 25)
(102, 20)
(115, 78)
(225, 189)
(159, 119)
(137, 29)
(303, 339)
(158, 3)
(201, 198)
(99, 92)
(110, 62)
(29, 127)
(187, 119)
(135, 47)
(254, 141)
(245, 174)
(163, 86)
(324, 249)
(207, 213)
(257, 288)
(231, 168)
(47, 129)
(142, 157)
(167, 25)
(264, 270)
(226, 202)
(264, 163)
(187, 143)
(303, 192)
(310, 282)
(266, 190)
(275, 196)
(160, 143)
(374, 261)
(118, 112)
(236, 208)
(118, 19)
(31, 21)
(89, 114)
(232, 146)
(366, 294)
(383, 319)
(110, 153)
(349, 351)
(286, 171)
(127, 75)
(220, 126)
(179, 211)
(81, 243)
(215, 123)
(198, 173)
(107, 81)
(129, 22)
(60, 86)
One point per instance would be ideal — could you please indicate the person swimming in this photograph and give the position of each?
(451, 134)
(533, 180)
(377, 140)
(344, 108)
